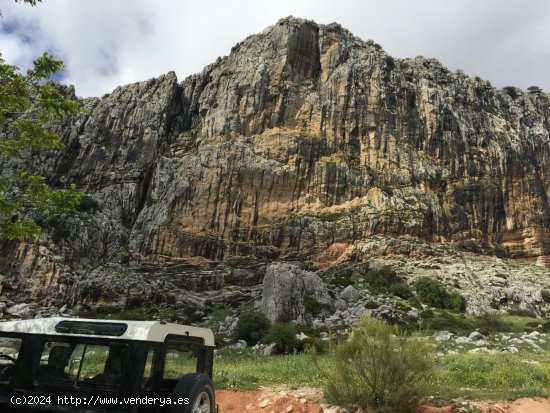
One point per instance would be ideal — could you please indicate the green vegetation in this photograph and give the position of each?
(87, 204)
(283, 335)
(512, 91)
(28, 107)
(401, 290)
(521, 312)
(476, 376)
(390, 62)
(464, 324)
(434, 294)
(389, 371)
(312, 305)
(430, 292)
(341, 281)
(534, 89)
(60, 230)
(545, 295)
(248, 370)
(251, 327)
(492, 376)
(456, 302)
(381, 279)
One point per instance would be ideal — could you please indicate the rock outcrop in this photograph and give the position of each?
(291, 294)
(303, 143)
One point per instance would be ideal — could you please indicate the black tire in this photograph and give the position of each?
(198, 388)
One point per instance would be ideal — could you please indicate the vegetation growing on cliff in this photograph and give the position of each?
(28, 106)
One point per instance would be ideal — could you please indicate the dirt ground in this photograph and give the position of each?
(527, 405)
(306, 400)
(269, 401)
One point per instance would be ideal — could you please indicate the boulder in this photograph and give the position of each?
(286, 291)
(475, 335)
(443, 336)
(350, 294)
(268, 350)
(462, 340)
(22, 310)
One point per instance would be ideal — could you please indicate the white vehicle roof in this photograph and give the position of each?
(136, 330)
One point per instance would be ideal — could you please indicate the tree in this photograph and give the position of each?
(29, 106)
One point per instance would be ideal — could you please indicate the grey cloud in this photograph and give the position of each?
(105, 43)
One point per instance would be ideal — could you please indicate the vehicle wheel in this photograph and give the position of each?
(199, 390)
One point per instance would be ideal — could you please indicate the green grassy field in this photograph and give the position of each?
(475, 376)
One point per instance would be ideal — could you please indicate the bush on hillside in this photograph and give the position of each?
(512, 91)
(314, 344)
(430, 292)
(251, 327)
(434, 294)
(379, 370)
(382, 277)
(401, 290)
(284, 337)
(87, 203)
(456, 302)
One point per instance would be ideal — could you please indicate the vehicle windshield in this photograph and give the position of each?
(82, 364)
(9, 352)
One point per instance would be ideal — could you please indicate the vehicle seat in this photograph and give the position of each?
(58, 359)
(114, 366)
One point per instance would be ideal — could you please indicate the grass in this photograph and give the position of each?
(474, 376)
(464, 324)
(492, 376)
(248, 370)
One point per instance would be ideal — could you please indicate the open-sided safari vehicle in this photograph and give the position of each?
(80, 365)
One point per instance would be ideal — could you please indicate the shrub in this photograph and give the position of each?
(340, 281)
(379, 369)
(431, 292)
(312, 305)
(415, 302)
(383, 277)
(284, 337)
(456, 302)
(390, 62)
(315, 344)
(521, 312)
(60, 230)
(512, 91)
(534, 89)
(545, 295)
(401, 290)
(251, 327)
(87, 203)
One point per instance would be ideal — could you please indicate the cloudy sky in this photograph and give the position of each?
(105, 43)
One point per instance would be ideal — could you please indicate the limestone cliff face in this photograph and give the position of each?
(302, 142)
(305, 136)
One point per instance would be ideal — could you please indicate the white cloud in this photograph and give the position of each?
(105, 43)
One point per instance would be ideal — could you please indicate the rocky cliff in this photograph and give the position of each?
(304, 143)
